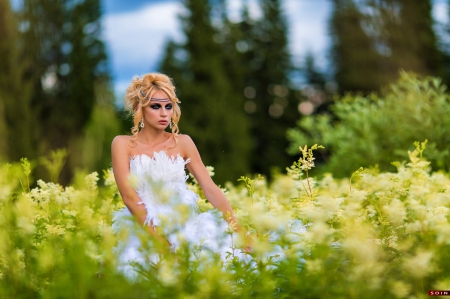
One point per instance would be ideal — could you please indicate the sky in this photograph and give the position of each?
(135, 31)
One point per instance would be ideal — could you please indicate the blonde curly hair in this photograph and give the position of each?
(139, 93)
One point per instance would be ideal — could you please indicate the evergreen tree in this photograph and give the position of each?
(356, 62)
(312, 75)
(16, 121)
(253, 58)
(67, 59)
(373, 40)
(444, 45)
(317, 93)
(273, 108)
(211, 106)
(410, 38)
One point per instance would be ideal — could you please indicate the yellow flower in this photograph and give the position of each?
(396, 212)
(400, 289)
(56, 230)
(419, 265)
(314, 266)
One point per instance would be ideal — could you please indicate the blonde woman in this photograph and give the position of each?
(158, 159)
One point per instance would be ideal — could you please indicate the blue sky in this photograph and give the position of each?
(135, 31)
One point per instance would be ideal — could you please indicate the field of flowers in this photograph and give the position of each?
(373, 235)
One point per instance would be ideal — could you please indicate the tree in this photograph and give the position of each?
(16, 120)
(317, 92)
(372, 130)
(214, 117)
(66, 61)
(312, 75)
(252, 60)
(410, 38)
(258, 61)
(356, 62)
(373, 40)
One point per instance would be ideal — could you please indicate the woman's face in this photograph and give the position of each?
(158, 113)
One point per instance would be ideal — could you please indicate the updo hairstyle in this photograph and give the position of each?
(139, 93)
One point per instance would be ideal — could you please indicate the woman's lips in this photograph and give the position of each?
(163, 122)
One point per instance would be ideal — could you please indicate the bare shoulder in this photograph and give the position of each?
(187, 145)
(185, 140)
(120, 142)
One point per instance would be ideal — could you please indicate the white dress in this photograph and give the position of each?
(171, 206)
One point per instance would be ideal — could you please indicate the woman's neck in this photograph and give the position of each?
(152, 137)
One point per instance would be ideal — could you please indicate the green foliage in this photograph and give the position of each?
(260, 65)
(65, 62)
(55, 163)
(372, 130)
(211, 106)
(250, 184)
(304, 164)
(237, 75)
(353, 53)
(17, 122)
(372, 40)
(93, 147)
(26, 167)
(386, 237)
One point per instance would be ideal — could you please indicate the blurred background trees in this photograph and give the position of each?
(241, 91)
(55, 75)
(261, 57)
(17, 121)
(370, 130)
(373, 40)
(245, 117)
(210, 103)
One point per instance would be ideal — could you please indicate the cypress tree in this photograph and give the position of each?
(211, 106)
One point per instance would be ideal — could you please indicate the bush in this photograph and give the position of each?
(375, 235)
(375, 130)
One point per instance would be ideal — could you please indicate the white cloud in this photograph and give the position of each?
(440, 12)
(307, 22)
(308, 28)
(136, 39)
(234, 8)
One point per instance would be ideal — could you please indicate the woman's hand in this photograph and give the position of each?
(248, 241)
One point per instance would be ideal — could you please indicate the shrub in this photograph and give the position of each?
(375, 130)
(375, 235)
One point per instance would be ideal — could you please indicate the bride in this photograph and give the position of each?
(157, 158)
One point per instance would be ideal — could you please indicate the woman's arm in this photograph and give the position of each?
(121, 168)
(200, 173)
(212, 192)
